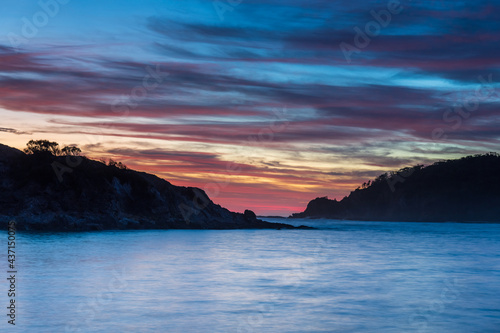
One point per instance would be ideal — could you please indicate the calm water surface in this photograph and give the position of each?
(346, 277)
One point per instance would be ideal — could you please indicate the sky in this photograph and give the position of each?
(265, 105)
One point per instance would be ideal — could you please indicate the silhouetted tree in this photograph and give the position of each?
(118, 165)
(39, 146)
(71, 151)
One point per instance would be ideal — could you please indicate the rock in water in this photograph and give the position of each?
(250, 216)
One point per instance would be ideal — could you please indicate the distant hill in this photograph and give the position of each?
(46, 192)
(463, 190)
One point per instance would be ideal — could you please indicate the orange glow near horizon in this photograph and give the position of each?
(263, 190)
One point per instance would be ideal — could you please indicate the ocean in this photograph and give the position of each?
(347, 276)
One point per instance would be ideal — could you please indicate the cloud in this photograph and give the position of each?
(13, 131)
(222, 81)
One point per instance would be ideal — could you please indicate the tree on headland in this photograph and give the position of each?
(35, 147)
(71, 151)
(112, 163)
(46, 146)
(41, 146)
(119, 165)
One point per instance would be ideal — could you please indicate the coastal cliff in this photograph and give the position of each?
(72, 193)
(463, 190)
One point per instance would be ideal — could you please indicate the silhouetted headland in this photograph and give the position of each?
(462, 190)
(56, 190)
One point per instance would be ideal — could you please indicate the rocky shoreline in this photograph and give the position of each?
(39, 194)
(461, 190)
